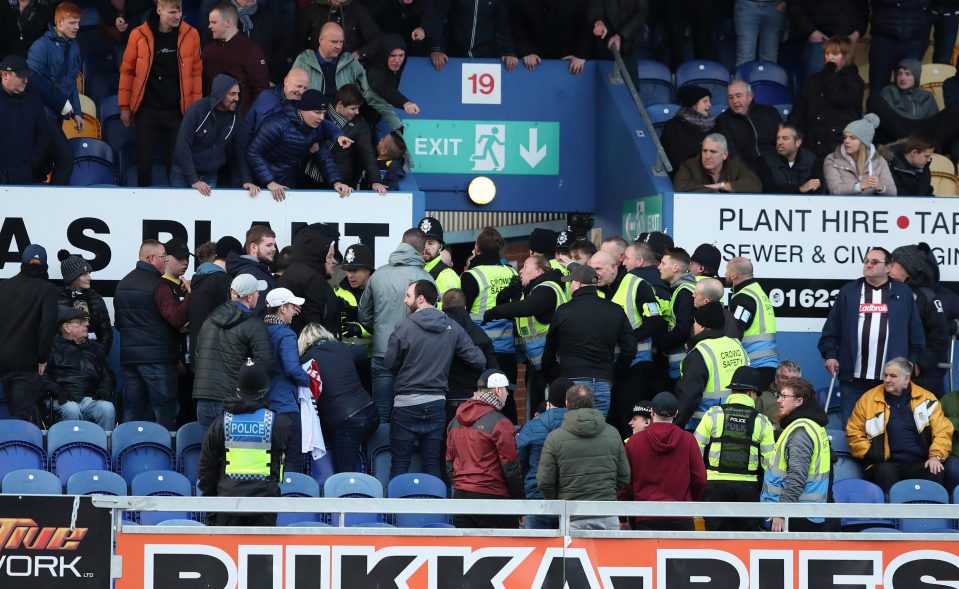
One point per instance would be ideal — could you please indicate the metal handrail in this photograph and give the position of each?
(663, 165)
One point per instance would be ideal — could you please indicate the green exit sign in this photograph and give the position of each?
(484, 147)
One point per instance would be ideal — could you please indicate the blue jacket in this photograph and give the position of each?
(840, 333)
(281, 141)
(272, 101)
(55, 62)
(202, 147)
(530, 441)
(285, 374)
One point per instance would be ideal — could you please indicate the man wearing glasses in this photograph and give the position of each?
(873, 319)
(149, 346)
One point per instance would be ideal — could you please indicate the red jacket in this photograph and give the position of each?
(241, 59)
(481, 454)
(666, 465)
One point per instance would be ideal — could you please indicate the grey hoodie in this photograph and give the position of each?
(419, 354)
(381, 307)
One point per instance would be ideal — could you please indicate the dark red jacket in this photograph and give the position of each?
(481, 454)
(241, 59)
(666, 465)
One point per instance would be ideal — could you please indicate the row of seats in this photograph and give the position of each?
(168, 483)
(770, 83)
(913, 491)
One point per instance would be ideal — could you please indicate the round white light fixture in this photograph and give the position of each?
(481, 190)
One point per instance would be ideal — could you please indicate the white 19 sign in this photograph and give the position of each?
(481, 83)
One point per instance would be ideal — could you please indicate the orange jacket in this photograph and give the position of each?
(138, 59)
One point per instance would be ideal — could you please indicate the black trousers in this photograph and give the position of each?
(154, 126)
(23, 391)
(507, 363)
(665, 525)
(629, 387)
(59, 157)
(887, 474)
(732, 492)
(486, 520)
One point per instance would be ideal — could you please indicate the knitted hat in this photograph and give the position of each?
(690, 95)
(34, 254)
(710, 315)
(556, 393)
(909, 257)
(708, 256)
(543, 241)
(913, 66)
(72, 267)
(227, 244)
(312, 100)
(864, 129)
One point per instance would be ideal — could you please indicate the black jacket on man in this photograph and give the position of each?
(229, 336)
(145, 337)
(208, 291)
(750, 135)
(778, 177)
(536, 302)
(909, 180)
(651, 290)
(463, 377)
(90, 301)
(695, 372)
(583, 336)
(79, 369)
(306, 277)
(237, 264)
(25, 138)
(30, 305)
(360, 156)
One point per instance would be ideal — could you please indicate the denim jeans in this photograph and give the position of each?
(383, 381)
(758, 22)
(178, 179)
(812, 60)
(424, 423)
(541, 522)
(99, 412)
(344, 440)
(149, 394)
(207, 412)
(601, 390)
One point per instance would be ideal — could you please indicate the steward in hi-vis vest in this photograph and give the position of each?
(755, 315)
(242, 453)
(444, 276)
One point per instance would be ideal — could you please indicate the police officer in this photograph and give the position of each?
(242, 453)
(708, 367)
(642, 417)
(543, 242)
(543, 292)
(444, 276)
(561, 249)
(705, 261)
(674, 270)
(488, 282)
(754, 314)
(736, 441)
(358, 267)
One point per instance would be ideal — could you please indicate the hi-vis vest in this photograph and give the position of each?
(722, 355)
(491, 280)
(366, 339)
(248, 440)
(555, 265)
(760, 338)
(625, 297)
(444, 276)
(675, 356)
(817, 481)
(731, 437)
(532, 333)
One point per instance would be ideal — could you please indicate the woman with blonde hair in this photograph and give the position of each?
(346, 408)
(855, 167)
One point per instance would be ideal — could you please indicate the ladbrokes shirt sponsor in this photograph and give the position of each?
(873, 331)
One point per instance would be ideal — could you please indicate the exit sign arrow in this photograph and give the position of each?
(532, 156)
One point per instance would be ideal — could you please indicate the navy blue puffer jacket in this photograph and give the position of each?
(281, 141)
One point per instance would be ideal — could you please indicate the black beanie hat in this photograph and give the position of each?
(543, 241)
(707, 255)
(711, 315)
(690, 95)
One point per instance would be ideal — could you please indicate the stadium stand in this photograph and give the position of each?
(76, 446)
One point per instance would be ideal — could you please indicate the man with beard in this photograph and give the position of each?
(211, 135)
(542, 294)
(260, 248)
(445, 277)
(358, 267)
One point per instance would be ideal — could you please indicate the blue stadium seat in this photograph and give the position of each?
(379, 459)
(189, 441)
(718, 109)
(114, 133)
(655, 82)
(321, 468)
(845, 467)
(295, 484)
(102, 60)
(438, 525)
(160, 483)
(881, 531)
(758, 71)
(75, 446)
(711, 75)
(920, 491)
(91, 41)
(181, 522)
(771, 94)
(354, 484)
(140, 446)
(659, 115)
(784, 110)
(89, 17)
(96, 482)
(21, 447)
(308, 525)
(370, 525)
(102, 84)
(93, 162)
(30, 481)
(417, 486)
(859, 491)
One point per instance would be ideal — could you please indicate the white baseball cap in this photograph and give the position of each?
(282, 296)
(492, 379)
(246, 284)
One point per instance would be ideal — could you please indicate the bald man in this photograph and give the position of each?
(296, 82)
(711, 289)
(755, 318)
(329, 69)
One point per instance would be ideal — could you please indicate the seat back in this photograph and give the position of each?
(189, 441)
(942, 164)
(784, 110)
(763, 71)
(771, 93)
(354, 484)
(859, 491)
(295, 484)
(945, 184)
(932, 76)
(655, 82)
(140, 446)
(838, 442)
(21, 447)
(102, 84)
(75, 446)
(85, 148)
(920, 491)
(417, 486)
(96, 482)
(160, 483)
(711, 75)
(91, 127)
(87, 106)
(659, 115)
(31, 482)
(182, 522)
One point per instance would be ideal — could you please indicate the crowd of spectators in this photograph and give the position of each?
(629, 340)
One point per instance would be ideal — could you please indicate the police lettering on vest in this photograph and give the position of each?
(248, 441)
